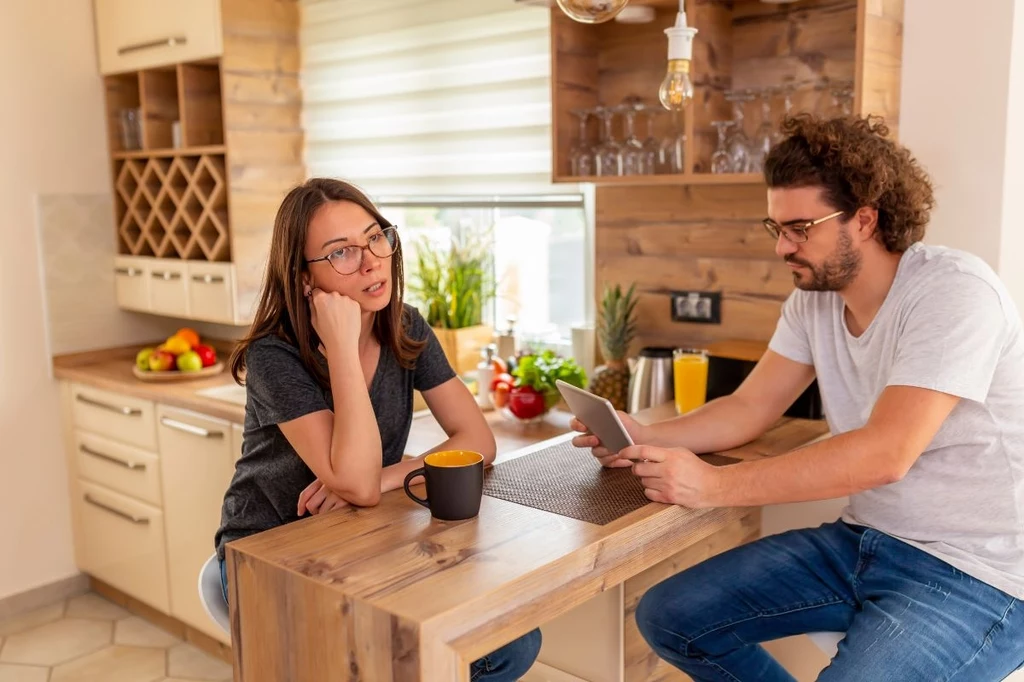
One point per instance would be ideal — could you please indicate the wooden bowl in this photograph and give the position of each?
(177, 375)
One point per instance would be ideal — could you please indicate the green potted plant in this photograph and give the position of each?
(451, 288)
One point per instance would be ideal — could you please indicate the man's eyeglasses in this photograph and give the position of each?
(795, 232)
(348, 259)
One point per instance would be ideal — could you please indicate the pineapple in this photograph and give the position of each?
(616, 328)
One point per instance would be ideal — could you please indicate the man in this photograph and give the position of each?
(919, 356)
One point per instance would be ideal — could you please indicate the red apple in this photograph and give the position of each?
(161, 361)
(206, 353)
(525, 402)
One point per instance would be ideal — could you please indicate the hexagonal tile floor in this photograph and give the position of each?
(89, 639)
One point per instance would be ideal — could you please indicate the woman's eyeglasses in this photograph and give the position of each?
(348, 259)
(795, 232)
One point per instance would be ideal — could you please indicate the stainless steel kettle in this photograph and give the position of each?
(651, 382)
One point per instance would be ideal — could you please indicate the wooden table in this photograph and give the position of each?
(389, 594)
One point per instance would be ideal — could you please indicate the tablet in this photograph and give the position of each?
(598, 414)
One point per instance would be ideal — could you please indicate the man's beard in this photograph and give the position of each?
(835, 274)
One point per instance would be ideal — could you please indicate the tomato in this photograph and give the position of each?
(499, 396)
(526, 403)
(503, 378)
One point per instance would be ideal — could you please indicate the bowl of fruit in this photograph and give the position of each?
(182, 356)
(527, 392)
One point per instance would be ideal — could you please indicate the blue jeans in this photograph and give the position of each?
(907, 615)
(507, 664)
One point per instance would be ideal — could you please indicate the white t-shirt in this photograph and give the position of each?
(947, 324)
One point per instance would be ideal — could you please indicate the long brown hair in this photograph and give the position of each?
(283, 310)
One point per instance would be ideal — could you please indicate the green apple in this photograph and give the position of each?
(190, 361)
(142, 359)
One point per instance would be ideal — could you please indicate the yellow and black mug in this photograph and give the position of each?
(455, 484)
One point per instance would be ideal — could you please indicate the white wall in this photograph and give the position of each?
(957, 90)
(54, 142)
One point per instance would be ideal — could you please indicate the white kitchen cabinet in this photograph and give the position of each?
(196, 461)
(123, 468)
(141, 34)
(131, 281)
(168, 287)
(113, 415)
(122, 542)
(211, 294)
(188, 289)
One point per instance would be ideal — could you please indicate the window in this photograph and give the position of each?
(441, 111)
(539, 250)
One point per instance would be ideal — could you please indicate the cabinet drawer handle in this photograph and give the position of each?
(141, 520)
(130, 272)
(126, 411)
(189, 428)
(127, 465)
(161, 274)
(208, 279)
(169, 42)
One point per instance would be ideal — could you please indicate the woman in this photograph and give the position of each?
(330, 363)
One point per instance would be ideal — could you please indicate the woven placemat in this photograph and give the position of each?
(566, 480)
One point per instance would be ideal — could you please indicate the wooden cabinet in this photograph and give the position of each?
(745, 45)
(205, 140)
(139, 34)
(197, 461)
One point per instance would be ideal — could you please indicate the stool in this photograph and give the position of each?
(211, 594)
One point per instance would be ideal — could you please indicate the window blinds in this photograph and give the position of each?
(428, 97)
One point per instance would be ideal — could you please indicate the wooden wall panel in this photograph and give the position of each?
(707, 238)
(880, 60)
(262, 127)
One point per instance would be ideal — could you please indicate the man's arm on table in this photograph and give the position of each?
(902, 423)
(733, 420)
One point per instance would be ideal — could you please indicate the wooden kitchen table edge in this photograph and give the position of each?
(464, 588)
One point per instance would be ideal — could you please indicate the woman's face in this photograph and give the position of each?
(341, 230)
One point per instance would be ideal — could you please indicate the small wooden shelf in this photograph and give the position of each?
(741, 45)
(667, 179)
(183, 151)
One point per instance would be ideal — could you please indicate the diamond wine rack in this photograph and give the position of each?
(172, 207)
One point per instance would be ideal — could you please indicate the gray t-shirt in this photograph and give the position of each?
(270, 475)
(947, 324)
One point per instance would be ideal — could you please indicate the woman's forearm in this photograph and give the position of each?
(355, 440)
(393, 476)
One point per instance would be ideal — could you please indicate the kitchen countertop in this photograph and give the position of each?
(111, 370)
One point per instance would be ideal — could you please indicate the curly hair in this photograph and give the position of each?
(856, 164)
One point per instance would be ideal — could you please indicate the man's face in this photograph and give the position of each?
(828, 260)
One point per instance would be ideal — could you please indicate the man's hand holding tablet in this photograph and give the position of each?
(606, 431)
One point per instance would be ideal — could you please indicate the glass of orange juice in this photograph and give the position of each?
(690, 377)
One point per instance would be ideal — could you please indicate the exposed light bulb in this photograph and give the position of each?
(676, 89)
(592, 11)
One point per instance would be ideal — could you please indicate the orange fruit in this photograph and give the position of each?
(190, 335)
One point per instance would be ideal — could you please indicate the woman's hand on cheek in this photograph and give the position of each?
(337, 319)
